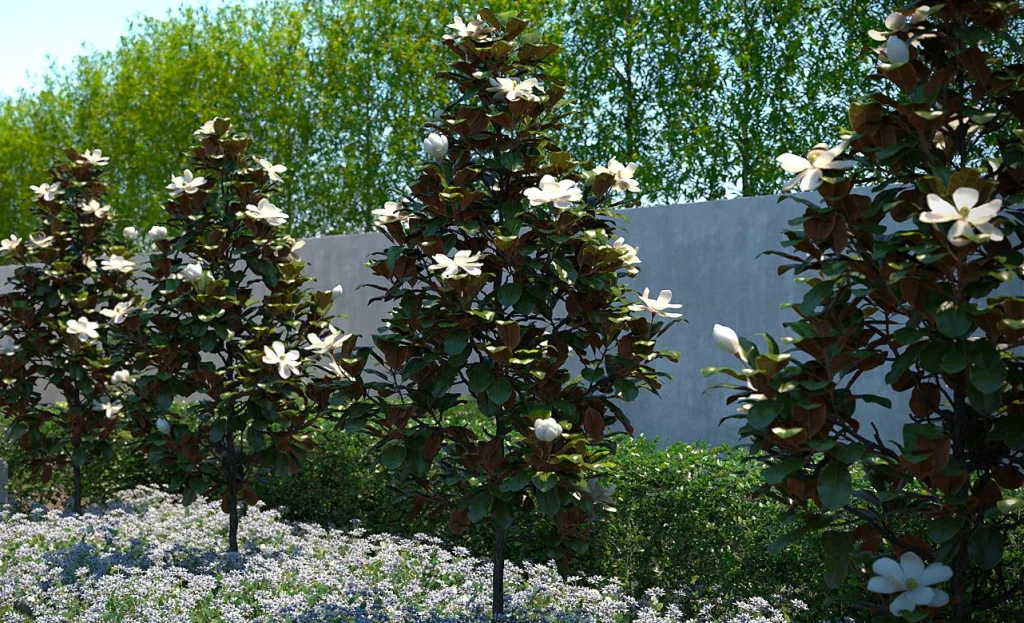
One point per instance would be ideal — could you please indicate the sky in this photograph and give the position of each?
(38, 31)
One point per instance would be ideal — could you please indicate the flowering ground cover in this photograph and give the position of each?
(148, 558)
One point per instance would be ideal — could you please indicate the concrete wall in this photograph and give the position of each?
(706, 253)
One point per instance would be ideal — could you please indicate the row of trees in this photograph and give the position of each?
(341, 89)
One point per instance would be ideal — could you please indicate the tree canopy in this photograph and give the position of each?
(703, 94)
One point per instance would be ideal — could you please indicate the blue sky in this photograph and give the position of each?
(37, 31)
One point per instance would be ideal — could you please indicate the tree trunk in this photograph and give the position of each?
(498, 578)
(76, 498)
(230, 473)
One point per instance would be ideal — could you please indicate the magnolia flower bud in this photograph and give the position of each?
(163, 426)
(436, 145)
(192, 272)
(547, 429)
(337, 292)
(727, 340)
(130, 233)
(896, 50)
(158, 232)
(121, 377)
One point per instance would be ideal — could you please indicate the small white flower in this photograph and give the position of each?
(186, 183)
(965, 214)
(84, 328)
(336, 292)
(627, 251)
(912, 580)
(287, 361)
(332, 342)
(95, 208)
(727, 340)
(121, 377)
(192, 272)
(898, 22)
(42, 242)
(477, 30)
(157, 232)
(10, 244)
(130, 233)
(509, 89)
(809, 169)
(623, 175)
(561, 194)
(436, 145)
(464, 260)
(94, 157)
(266, 211)
(116, 263)
(547, 429)
(390, 213)
(274, 171)
(163, 426)
(110, 409)
(46, 192)
(658, 306)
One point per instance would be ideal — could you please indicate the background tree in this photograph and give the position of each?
(504, 263)
(919, 279)
(702, 93)
(71, 281)
(231, 327)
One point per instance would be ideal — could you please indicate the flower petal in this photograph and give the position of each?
(912, 565)
(921, 595)
(811, 180)
(994, 233)
(940, 599)
(890, 568)
(941, 211)
(985, 212)
(884, 585)
(965, 197)
(901, 603)
(792, 163)
(935, 573)
(956, 233)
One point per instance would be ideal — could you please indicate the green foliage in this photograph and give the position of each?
(705, 94)
(906, 284)
(58, 321)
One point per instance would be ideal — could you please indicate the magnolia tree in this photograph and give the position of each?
(918, 279)
(505, 263)
(231, 327)
(70, 282)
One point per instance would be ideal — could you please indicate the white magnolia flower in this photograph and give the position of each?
(389, 214)
(477, 30)
(46, 192)
(186, 183)
(95, 208)
(274, 171)
(121, 377)
(658, 306)
(206, 129)
(561, 194)
(42, 242)
(436, 145)
(340, 372)
(110, 409)
(163, 426)
(287, 361)
(84, 328)
(130, 233)
(332, 342)
(727, 340)
(809, 170)
(897, 51)
(509, 89)
(116, 263)
(623, 175)
(192, 272)
(628, 252)
(336, 292)
(293, 252)
(94, 157)
(10, 244)
(898, 22)
(464, 260)
(266, 211)
(547, 429)
(157, 232)
(912, 580)
(965, 215)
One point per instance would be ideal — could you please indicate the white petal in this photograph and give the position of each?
(912, 565)
(985, 212)
(811, 180)
(895, 21)
(941, 211)
(956, 233)
(921, 595)
(993, 232)
(965, 197)
(792, 163)
(901, 603)
(889, 567)
(884, 585)
(935, 573)
(940, 599)
(896, 50)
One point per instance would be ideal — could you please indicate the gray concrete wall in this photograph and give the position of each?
(706, 253)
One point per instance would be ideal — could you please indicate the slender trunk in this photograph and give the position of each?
(76, 500)
(498, 579)
(230, 474)
(961, 604)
